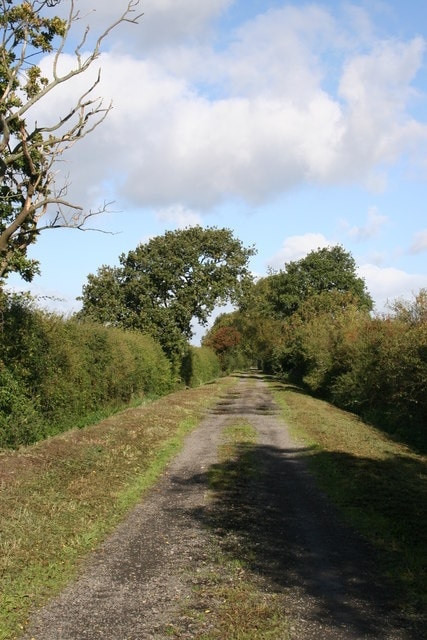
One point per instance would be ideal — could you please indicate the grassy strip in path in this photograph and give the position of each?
(229, 601)
(60, 498)
(380, 485)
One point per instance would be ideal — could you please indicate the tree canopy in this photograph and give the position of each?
(165, 284)
(324, 270)
(29, 150)
(324, 283)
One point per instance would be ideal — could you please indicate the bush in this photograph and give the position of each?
(200, 365)
(375, 367)
(57, 373)
(387, 380)
(19, 421)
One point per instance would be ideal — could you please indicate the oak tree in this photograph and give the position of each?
(167, 283)
(327, 270)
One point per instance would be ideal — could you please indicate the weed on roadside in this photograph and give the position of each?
(60, 498)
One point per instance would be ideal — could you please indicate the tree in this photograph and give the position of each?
(29, 151)
(165, 284)
(412, 312)
(223, 339)
(322, 271)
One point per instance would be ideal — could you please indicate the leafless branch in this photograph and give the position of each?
(28, 155)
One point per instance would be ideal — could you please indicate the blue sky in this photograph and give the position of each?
(296, 124)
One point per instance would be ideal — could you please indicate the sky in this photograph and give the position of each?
(297, 125)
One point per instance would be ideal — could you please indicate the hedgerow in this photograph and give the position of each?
(200, 365)
(56, 373)
(373, 366)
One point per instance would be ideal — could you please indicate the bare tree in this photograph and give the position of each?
(28, 152)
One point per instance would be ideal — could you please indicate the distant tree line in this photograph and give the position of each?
(311, 323)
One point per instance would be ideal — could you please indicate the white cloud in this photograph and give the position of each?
(386, 284)
(277, 54)
(372, 227)
(419, 244)
(253, 121)
(179, 216)
(165, 23)
(376, 90)
(297, 247)
(169, 22)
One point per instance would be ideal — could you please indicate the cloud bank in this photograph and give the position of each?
(287, 99)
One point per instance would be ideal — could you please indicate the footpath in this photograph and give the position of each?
(145, 582)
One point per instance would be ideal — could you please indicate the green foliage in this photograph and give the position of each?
(200, 365)
(311, 348)
(375, 367)
(386, 378)
(323, 278)
(312, 324)
(56, 373)
(321, 271)
(19, 421)
(163, 285)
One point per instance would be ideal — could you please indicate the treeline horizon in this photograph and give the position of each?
(311, 323)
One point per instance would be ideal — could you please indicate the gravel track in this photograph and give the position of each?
(142, 578)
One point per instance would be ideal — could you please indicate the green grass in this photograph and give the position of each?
(60, 498)
(230, 601)
(380, 485)
(236, 462)
(231, 605)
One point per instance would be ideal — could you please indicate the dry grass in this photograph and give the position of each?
(59, 498)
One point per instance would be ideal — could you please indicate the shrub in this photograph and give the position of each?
(200, 365)
(57, 373)
(19, 421)
(375, 367)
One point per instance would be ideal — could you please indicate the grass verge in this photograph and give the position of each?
(59, 498)
(229, 601)
(380, 485)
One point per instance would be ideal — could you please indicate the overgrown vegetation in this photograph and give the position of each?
(61, 496)
(312, 324)
(56, 373)
(379, 484)
(199, 365)
(375, 367)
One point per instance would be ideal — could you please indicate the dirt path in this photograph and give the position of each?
(142, 579)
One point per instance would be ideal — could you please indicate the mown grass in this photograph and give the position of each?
(229, 600)
(60, 498)
(380, 485)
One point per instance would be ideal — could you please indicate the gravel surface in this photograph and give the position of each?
(141, 580)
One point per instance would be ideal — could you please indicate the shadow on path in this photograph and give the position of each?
(280, 525)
